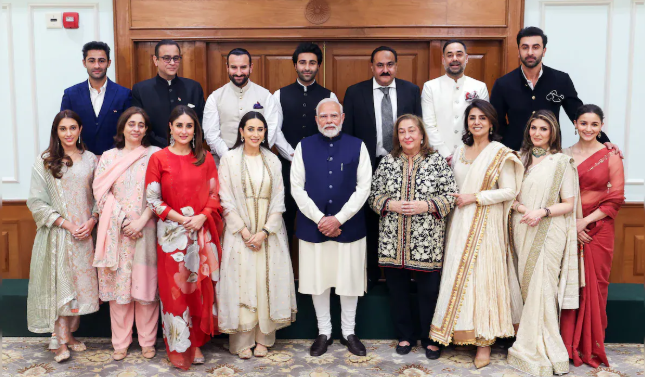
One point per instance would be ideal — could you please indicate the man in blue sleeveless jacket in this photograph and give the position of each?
(331, 175)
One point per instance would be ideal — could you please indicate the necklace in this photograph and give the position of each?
(538, 152)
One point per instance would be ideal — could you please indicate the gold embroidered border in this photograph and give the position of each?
(410, 196)
(543, 229)
(443, 334)
(534, 369)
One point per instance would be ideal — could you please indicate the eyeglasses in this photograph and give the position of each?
(168, 58)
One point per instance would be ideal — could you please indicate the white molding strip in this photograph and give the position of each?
(635, 182)
(610, 11)
(12, 95)
(630, 72)
(32, 51)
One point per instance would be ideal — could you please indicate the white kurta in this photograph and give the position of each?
(443, 102)
(227, 105)
(332, 264)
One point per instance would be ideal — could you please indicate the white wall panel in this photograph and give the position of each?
(8, 143)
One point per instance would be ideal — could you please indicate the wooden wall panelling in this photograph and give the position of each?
(18, 233)
(193, 63)
(629, 245)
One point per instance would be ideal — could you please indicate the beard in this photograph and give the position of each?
(537, 61)
(303, 78)
(461, 70)
(330, 133)
(100, 76)
(235, 78)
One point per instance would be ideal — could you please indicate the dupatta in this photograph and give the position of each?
(280, 286)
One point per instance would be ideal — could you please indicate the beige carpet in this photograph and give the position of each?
(29, 357)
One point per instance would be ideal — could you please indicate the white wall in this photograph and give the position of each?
(36, 65)
(599, 43)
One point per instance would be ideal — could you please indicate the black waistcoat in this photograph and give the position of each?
(299, 110)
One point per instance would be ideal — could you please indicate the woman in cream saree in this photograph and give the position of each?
(479, 297)
(543, 230)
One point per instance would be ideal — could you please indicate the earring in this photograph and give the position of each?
(193, 142)
(598, 136)
(80, 140)
(172, 140)
(575, 131)
(242, 138)
(491, 131)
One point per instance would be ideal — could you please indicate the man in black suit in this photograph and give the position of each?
(159, 95)
(371, 109)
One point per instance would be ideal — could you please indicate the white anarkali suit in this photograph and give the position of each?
(256, 293)
(479, 298)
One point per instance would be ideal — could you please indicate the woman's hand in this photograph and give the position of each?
(70, 227)
(132, 229)
(583, 237)
(395, 206)
(532, 218)
(462, 200)
(85, 230)
(414, 207)
(246, 235)
(255, 242)
(581, 225)
(194, 223)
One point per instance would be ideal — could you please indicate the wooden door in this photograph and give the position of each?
(349, 63)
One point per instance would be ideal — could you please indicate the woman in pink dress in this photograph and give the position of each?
(182, 190)
(602, 185)
(126, 239)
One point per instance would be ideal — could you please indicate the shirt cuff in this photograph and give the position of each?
(478, 199)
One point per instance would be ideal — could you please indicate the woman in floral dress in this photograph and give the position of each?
(182, 190)
(126, 240)
(62, 284)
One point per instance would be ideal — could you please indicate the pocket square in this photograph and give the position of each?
(257, 106)
(191, 105)
(116, 111)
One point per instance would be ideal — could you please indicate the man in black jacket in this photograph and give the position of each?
(160, 94)
(371, 110)
(531, 87)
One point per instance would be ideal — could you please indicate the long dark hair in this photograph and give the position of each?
(246, 118)
(490, 113)
(54, 156)
(555, 142)
(425, 150)
(198, 149)
(119, 138)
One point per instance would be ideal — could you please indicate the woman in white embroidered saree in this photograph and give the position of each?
(544, 241)
(256, 294)
(479, 299)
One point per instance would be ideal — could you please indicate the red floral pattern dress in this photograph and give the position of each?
(187, 262)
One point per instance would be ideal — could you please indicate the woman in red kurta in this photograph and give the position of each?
(182, 190)
(602, 184)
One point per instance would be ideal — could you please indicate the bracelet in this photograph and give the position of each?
(430, 206)
(265, 232)
(387, 206)
(547, 211)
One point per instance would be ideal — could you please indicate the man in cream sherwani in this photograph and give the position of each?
(228, 104)
(331, 175)
(444, 99)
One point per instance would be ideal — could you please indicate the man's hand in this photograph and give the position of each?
(329, 226)
(614, 148)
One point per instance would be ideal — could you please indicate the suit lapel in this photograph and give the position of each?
(85, 97)
(399, 99)
(368, 96)
(110, 93)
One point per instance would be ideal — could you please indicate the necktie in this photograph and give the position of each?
(387, 119)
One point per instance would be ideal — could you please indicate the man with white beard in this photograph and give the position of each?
(331, 175)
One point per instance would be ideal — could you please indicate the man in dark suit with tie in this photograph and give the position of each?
(98, 101)
(371, 109)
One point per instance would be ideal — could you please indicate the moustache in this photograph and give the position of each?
(385, 74)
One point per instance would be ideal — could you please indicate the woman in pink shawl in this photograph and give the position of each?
(126, 240)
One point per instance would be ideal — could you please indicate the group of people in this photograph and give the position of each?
(505, 233)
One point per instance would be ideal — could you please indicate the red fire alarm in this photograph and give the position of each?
(70, 20)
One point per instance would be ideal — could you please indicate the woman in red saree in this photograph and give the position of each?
(602, 184)
(182, 190)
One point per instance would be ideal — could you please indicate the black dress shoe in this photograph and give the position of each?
(433, 355)
(403, 350)
(320, 345)
(354, 345)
